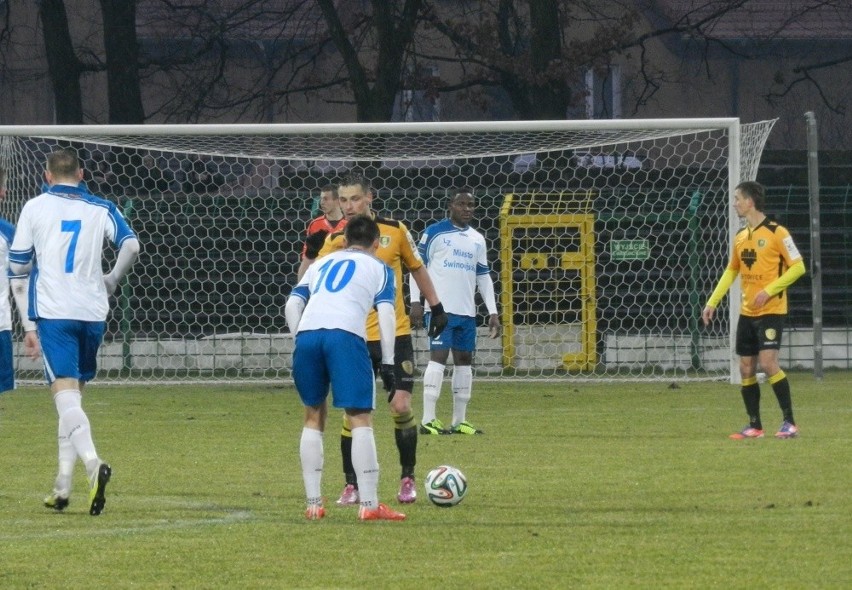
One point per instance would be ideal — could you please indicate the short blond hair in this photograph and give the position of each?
(63, 163)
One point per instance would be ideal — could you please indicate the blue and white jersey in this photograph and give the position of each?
(63, 232)
(455, 256)
(7, 233)
(341, 289)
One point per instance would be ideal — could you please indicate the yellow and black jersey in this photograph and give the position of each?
(397, 249)
(760, 256)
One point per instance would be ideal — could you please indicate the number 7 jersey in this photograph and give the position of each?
(62, 232)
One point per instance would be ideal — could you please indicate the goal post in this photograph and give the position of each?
(605, 237)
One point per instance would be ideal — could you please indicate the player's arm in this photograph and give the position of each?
(790, 276)
(387, 330)
(485, 284)
(385, 304)
(778, 285)
(725, 282)
(320, 247)
(416, 314)
(19, 287)
(20, 268)
(128, 248)
(416, 298)
(21, 250)
(304, 265)
(295, 306)
(438, 320)
(127, 255)
(21, 256)
(414, 263)
(426, 287)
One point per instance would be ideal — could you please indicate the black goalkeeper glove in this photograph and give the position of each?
(388, 380)
(313, 244)
(437, 321)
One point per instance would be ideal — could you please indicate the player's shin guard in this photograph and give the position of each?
(405, 431)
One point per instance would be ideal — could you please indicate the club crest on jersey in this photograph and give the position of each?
(761, 243)
(384, 241)
(749, 257)
(770, 334)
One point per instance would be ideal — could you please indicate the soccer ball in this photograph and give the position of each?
(446, 486)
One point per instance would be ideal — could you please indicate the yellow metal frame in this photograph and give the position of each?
(526, 213)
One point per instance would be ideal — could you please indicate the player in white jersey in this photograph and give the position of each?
(59, 242)
(327, 311)
(18, 285)
(456, 257)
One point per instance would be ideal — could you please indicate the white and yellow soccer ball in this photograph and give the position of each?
(446, 486)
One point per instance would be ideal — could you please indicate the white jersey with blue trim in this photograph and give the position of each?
(7, 232)
(62, 232)
(455, 256)
(341, 289)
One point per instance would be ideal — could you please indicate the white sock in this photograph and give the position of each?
(366, 463)
(67, 459)
(311, 454)
(74, 426)
(433, 378)
(462, 381)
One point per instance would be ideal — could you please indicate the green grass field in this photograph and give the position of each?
(586, 485)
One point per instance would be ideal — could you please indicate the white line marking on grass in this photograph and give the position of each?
(139, 527)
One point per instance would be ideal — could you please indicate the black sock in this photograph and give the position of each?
(751, 398)
(405, 432)
(346, 453)
(406, 442)
(781, 387)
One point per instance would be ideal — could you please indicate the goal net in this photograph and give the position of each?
(605, 237)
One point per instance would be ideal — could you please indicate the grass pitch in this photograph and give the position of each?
(586, 485)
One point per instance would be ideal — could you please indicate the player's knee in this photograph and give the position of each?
(401, 402)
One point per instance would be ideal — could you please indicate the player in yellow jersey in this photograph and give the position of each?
(768, 262)
(397, 249)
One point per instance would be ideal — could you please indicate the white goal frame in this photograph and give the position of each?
(414, 145)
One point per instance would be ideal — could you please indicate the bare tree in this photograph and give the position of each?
(806, 75)
(64, 67)
(122, 61)
(390, 27)
(253, 59)
(549, 93)
(523, 50)
(243, 60)
(537, 52)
